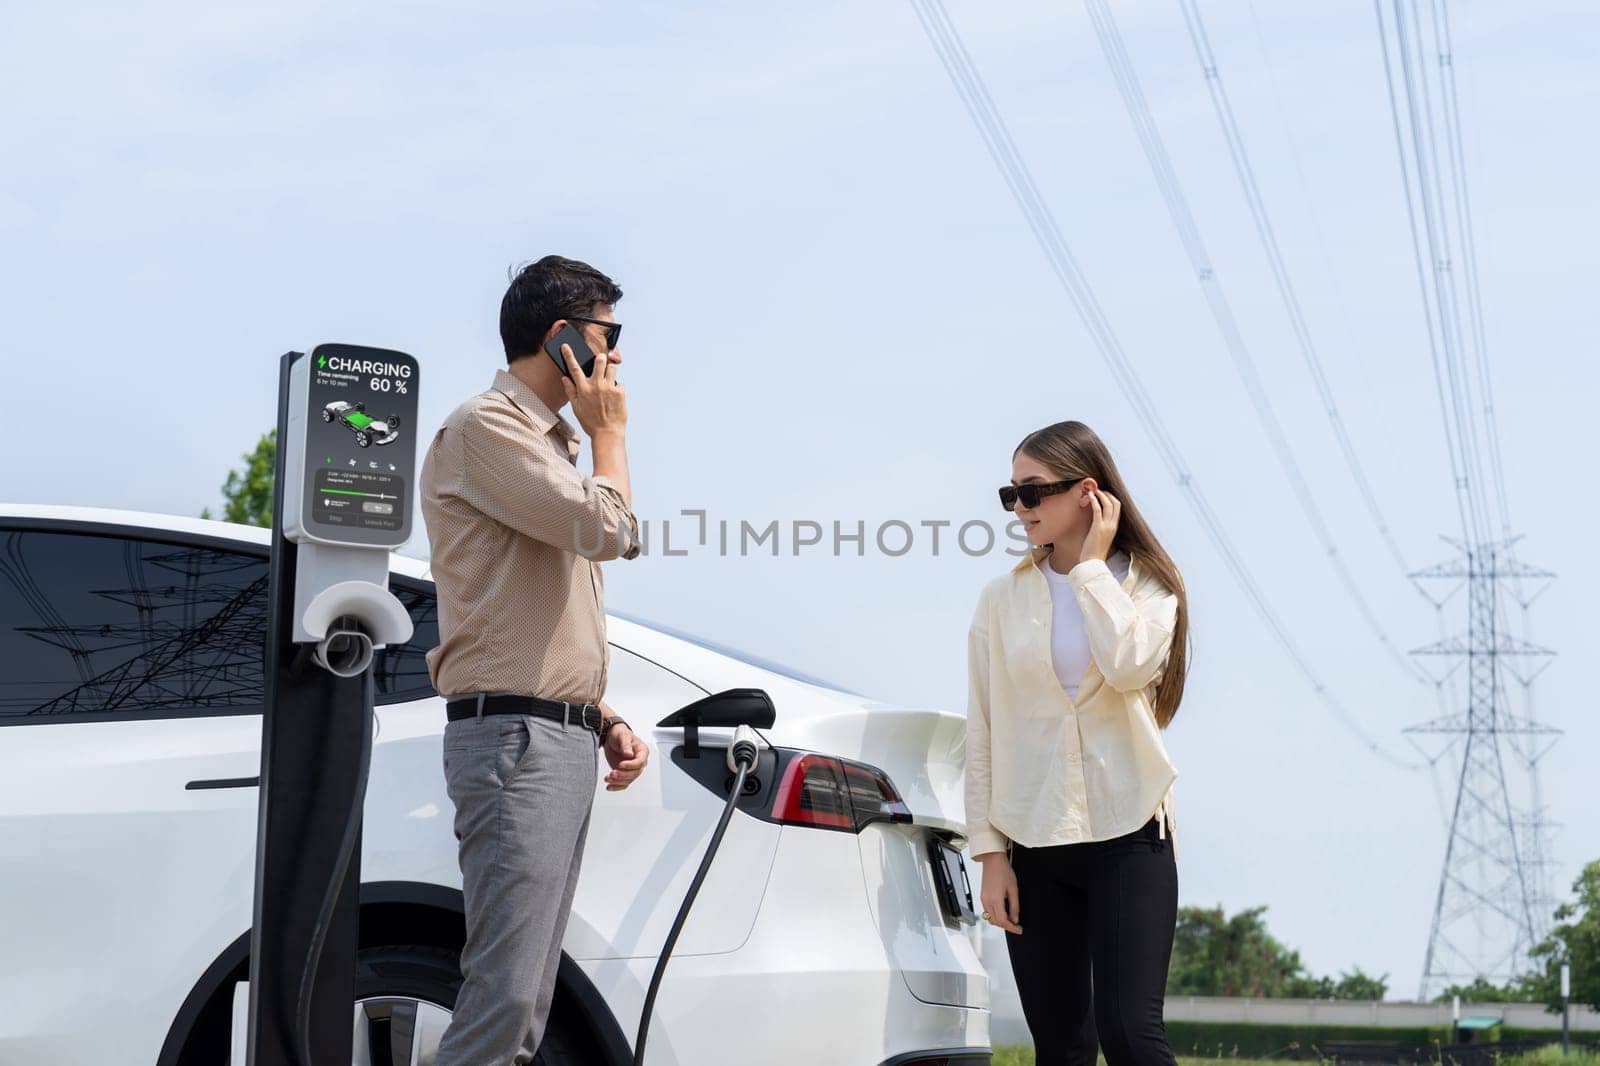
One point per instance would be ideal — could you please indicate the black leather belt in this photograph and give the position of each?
(585, 714)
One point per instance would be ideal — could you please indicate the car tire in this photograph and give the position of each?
(432, 975)
(394, 422)
(327, 415)
(362, 440)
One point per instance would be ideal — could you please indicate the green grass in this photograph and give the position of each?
(1014, 1055)
(1549, 1055)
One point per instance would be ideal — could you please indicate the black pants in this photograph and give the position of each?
(1110, 906)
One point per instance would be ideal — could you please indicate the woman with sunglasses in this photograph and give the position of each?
(1076, 662)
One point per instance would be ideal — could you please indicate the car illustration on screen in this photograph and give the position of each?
(368, 430)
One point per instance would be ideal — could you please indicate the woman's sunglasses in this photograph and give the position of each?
(1029, 493)
(613, 330)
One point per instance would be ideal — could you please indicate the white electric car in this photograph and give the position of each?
(130, 726)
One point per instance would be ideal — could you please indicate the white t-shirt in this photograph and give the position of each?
(1069, 643)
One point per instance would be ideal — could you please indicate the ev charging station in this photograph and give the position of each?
(342, 501)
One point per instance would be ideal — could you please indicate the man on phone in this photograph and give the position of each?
(517, 535)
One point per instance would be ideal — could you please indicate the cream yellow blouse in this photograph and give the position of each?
(1043, 768)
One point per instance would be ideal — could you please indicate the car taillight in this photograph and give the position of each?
(830, 793)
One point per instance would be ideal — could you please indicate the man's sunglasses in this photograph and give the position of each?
(1029, 493)
(613, 330)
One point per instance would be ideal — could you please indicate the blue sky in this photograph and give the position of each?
(835, 313)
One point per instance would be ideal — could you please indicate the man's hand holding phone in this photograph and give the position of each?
(598, 401)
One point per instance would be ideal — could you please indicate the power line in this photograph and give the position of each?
(1531, 833)
(1267, 234)
(1341, 304)
(1458, 180)
(974, 95)
(1438, 336)
(1200, 38)
(1491, 883)
(1436, 217)
(1171, 189)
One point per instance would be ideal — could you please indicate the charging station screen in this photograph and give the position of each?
(360, 440)
(358, 498)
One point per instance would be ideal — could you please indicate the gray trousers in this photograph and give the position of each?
(523, 787)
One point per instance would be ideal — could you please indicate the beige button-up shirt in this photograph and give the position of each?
(517, 535)
(1043, 768)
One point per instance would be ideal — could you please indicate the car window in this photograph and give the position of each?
(400, 671)
(105, 627)
(99, 627)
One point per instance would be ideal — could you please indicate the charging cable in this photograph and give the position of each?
(330, 898)
(741, 759)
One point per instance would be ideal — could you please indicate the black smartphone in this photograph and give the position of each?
(570, 336)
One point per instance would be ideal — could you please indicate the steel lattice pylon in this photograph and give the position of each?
(1490, 907)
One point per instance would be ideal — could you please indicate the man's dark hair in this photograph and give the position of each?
(542, 292)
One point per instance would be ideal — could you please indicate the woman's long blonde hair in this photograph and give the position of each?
(1073, 450)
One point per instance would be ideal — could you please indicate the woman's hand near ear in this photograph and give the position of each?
(1102, 527)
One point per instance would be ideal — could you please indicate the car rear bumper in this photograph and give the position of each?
(814, 982)
(711, 1008)
(943, 1057)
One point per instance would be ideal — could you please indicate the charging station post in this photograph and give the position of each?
(344, 478)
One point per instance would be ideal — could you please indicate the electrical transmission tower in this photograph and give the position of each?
(1492, 904)
(1492, 901)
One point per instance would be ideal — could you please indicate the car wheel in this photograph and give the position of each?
(363, 440)
(394, 422)
(405, 994)
(327, 415)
